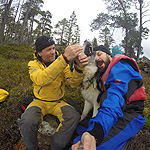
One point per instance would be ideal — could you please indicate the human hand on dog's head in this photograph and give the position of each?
(72, 51)
(81, 59)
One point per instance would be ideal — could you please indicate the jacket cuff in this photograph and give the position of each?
(66, 59)
(78, 68)
(98, 133)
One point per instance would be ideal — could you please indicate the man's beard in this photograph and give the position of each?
(102, 70)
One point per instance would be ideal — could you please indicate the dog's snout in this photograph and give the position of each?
(88, 49)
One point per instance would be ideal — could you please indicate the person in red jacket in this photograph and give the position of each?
(120, 115)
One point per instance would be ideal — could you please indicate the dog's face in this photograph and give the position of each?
(91, 68)
(88, 49)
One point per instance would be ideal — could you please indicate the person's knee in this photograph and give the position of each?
(77, 116)
(31, 117)
(70, 113)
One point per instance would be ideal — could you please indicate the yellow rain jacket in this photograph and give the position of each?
(49, 88)
(3, 95)
(49, 82)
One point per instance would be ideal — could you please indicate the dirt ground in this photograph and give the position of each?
(139, 142)
(10, 138)
(44, 142)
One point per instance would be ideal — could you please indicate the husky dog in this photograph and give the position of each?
(89, 89)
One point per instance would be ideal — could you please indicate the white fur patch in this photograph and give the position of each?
(46, 129)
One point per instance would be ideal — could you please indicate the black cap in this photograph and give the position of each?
(43, 42)
(101, 48)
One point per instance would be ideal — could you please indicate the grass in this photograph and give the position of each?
(15, 79)
(146, 81)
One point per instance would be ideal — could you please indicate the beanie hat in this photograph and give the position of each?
(101, 48)
(43, 42)
(116, 50)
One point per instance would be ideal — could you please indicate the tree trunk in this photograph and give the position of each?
(17, 11)
(30, 31)
(4, 20)
(126, 42)
(24, 23)
(140, 36)
(16, 39)
(126, 28)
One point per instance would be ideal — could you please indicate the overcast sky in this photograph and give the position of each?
(86, 11)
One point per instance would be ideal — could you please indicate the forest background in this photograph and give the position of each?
(22, 21)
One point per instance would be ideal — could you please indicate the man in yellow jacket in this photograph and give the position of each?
(49, 74)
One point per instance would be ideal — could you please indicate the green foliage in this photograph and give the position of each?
(61, 29)
(14, 75)
(147, 112)
(14, 78)
(106, 37)
(101, 21)
(146, 82)
(141, 64)
(75, 93)
(94, 42)
(60, 49)
(23, 52)
(119, 16)
(67, 31)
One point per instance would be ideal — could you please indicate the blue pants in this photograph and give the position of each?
(120, 134)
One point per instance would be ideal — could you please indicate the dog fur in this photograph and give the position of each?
(89, 89)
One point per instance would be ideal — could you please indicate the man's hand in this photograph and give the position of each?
(81, 60)
(88, 141)
(72, 51)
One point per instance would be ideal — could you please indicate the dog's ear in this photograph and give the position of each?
(88, 48)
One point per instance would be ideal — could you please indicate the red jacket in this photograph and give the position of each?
(138, 94)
